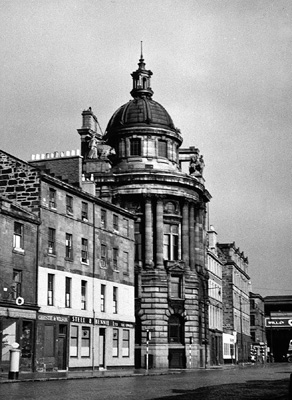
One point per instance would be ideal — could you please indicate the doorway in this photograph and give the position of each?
(101, 347)
(62, 347)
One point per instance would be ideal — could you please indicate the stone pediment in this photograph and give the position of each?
(174, 266)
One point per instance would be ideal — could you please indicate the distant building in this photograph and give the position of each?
(74, 254)
(215, 293)
(236, 309)
(278, 319)
(257, 326)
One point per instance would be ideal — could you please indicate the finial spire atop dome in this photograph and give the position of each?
(141, 79)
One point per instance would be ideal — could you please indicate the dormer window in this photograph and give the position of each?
(135, 147)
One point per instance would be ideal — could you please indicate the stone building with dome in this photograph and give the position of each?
(137, 164)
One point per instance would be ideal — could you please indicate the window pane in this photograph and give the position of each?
(85, 342)
(74, 341)
(115, 342)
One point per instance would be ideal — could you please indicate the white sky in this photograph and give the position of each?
(221, 68)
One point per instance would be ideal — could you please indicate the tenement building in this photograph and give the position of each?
(236, 308)
(257, 327)
(67, 269)
(215, 292)
(137, 165)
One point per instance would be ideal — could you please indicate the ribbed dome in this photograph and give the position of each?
(142, 111)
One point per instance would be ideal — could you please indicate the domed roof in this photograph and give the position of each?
(141, 111)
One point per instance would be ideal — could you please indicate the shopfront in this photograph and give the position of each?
(52, 342)
(17, 326)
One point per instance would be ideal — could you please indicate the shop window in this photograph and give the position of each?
(84, 211)
(26, 339)
(135, 147)
(49, 341)
(116, 222)
(175, 286)
(50, 300)
(69, 204)
(68, 292)
(102, 298)
(126, 343)
(52, 198)
(115, 300)
(69, 246)
(115, 259)
(74, 341)
(83, 294)
(85, 342)
(103, 218)
(170, 242)
(18, 236)
(115, 343)
(17, 283)
(84, 250)
(175, 329)
(162, 148)
(51, 241)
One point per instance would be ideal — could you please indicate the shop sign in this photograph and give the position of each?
(53, 318)
(81, 320)
(279, 322)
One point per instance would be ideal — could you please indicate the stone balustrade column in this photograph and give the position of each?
(192, 236)
(185, 233)
(159, 232)
(148, 233)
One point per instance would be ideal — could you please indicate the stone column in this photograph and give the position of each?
(159, 232)
(192, 236)
(185, 234)
(197, 237)
(148, 233)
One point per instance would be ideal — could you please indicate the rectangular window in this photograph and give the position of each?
(252, 320)
(126, 226)
(115, 300)
(135, 147)
(126, 262)
(68, 292)
(162, 148)
(83, 294)
(115, 343)
(74, 341)
(69, 246)
(138, 241)
(84, 211)
(85, 342)
(175, 286)
(84, 250)
(51, 289)
(17, 281)
(52, 198)
(69, 204)
(126, 343)
(103, 218)
(115, 259)
(115, 222)
(51, 241)
(170, 242)
(103, 255)
(18, 236)
(102, 298)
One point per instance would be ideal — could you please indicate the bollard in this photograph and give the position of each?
(14, 363)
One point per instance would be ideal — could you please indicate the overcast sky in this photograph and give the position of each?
(221, 68)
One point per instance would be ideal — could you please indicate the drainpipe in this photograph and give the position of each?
(93, 291)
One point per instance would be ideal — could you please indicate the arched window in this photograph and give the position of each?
(175, 329)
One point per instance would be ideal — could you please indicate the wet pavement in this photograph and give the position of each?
(270, 381)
